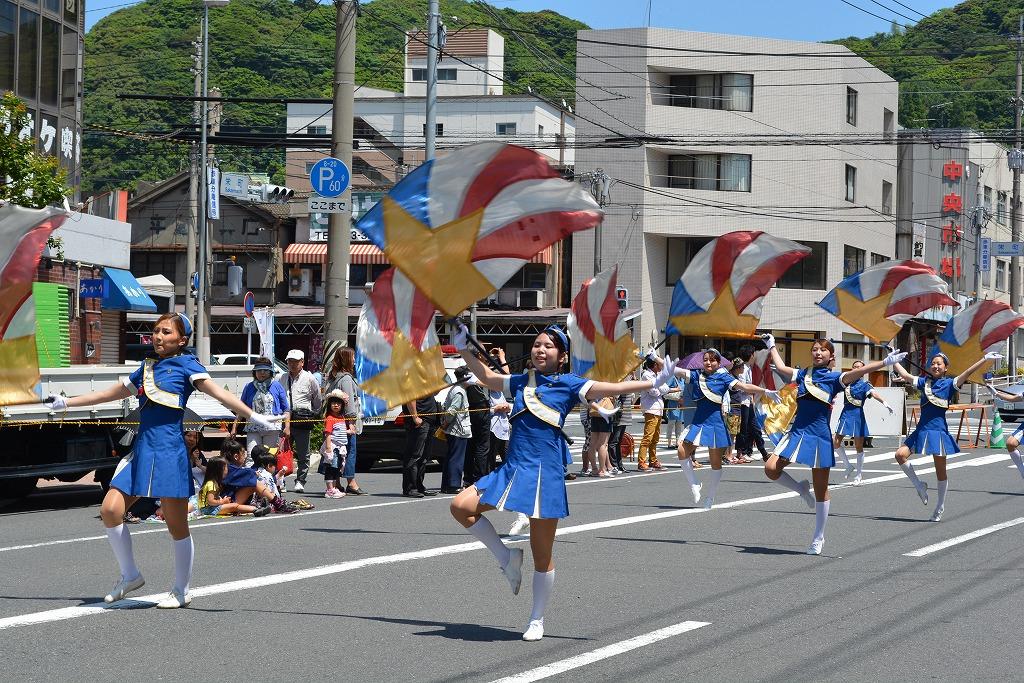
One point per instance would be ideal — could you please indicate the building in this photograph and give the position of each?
(706, 134)
(41, 46)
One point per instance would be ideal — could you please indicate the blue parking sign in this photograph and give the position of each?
(329, 177)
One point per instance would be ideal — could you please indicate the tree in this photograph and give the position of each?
(27, 177)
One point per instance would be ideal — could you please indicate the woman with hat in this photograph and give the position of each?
(531, 480)
(265, 397)
(158, 465)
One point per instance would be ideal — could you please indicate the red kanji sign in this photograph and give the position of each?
(951, 266)
(952, 202)
(952, 233)
(953, 170)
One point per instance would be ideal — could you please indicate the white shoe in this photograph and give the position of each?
(282, 487)
(535, 631)
(857, 479)
(708, 503)
(850, 469)
(936, 516)
(522, 521)
(922, 492)
(298, 488)
(695, 490)
(805, 493)
(174, 600)
(514, 569)
(123, 588)
(816, 546)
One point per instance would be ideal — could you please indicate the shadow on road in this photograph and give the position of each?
(51, 498)
(750, 549)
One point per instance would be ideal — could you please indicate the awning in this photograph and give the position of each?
(122, 292)
(316, 252)
(544, 256)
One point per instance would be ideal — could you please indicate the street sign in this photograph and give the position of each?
(322, 205)
(91, 289)
(985, 254)
(249, 325)
(249, 304)
(329, 177)
(235, 185)
(1009, 248)
(213, 194)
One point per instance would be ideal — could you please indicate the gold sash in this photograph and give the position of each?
(706, 390)
(534, 405)
(932, 398)
(155, 393)
(849, 397)
(813, 389)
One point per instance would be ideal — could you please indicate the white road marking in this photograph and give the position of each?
(555, 668)
(956, 540)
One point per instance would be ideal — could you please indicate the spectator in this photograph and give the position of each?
(750, 431)
(500, 411)
(212, 503)
(479, 447)
(341, 376)
(734, 420)
(674, 413)
(456, 425)
(421, 419)
(653, 405)
(620, 423)
(264, 396)
(337, 430)
(601, 413)
(304, 404)
(240, 482)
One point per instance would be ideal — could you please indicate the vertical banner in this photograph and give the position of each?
(213, 193)
(265, 326)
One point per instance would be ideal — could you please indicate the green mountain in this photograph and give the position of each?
(269, 48)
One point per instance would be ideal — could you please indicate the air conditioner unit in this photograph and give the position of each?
(300, 283)
(530, 298)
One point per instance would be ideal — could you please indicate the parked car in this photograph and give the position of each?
(243, 359)
(1011, 412)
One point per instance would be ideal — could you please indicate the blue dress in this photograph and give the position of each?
(158, 465)
(673, 412)
(809, 439)
(852, 421)
(708, 426)
(532, 479)
(932, 437)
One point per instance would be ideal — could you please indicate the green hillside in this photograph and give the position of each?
(267, 48)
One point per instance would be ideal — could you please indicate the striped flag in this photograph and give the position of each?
(774, 418)
(977, 329)
(602, 347)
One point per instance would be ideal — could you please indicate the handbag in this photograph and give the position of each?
(732, 423)
(285, 457)
(440, 434)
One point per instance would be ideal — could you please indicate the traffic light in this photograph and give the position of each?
(276, 194)
(622, 296)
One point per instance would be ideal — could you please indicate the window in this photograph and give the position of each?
(360, 274)
(986, 278)
(987, 194)
(1001, 275)
(888, 129)
(505, 129)
(8, 36)
(731, 92)
(887, 198)
(309, 167)
(71, 11)
(723, 172)
(680, 251)
(49, 66)
(52, 6)
(442, 75)
(808, 273)
(1001, 216)
(851, 183)
(851, 106)
(28, 53)
(145, 263)
(878, 258)
(853, 260)
(530, 276)
(540, 131)
(438, 130)
(316, 130)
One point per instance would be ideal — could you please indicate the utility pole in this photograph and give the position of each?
(202, 331)
(193, 185)
(340, 224)
(1015, 217)
(600, 184)
(433, 46)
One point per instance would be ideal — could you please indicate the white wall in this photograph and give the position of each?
(95, 240)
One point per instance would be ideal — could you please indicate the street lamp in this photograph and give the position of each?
(202, 340)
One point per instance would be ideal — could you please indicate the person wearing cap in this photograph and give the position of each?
(266, 397)
(531, 481)
(303, 411)
(158, 465)
(458, 429)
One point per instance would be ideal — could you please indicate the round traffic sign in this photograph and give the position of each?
(249, 304)
(329, 177)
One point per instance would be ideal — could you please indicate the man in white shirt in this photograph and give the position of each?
(304, 403)
(652, 405)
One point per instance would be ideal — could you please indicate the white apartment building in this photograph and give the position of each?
(687, 119)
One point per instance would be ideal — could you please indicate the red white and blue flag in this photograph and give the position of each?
(977, 329)
(602, 348)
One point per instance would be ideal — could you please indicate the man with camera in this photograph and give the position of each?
(304, 404)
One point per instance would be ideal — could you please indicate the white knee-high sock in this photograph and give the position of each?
(941, 502)
(184, 551)
(686, 464)
(543, 582)
(121, 544)
(716, 476)
(485, 533)
(1017, 460)
(908, 470)
(860, 462)
(820, 518)
(842, 453)
(789, 482)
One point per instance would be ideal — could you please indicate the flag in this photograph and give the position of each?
(997, 439)
(878, 300)
(602, 348)
(773, 418)
(398, 355)
(23, 235)
(721, 292)
(977, 329)
(459, 226)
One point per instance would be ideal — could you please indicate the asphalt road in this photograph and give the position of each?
(648, 588)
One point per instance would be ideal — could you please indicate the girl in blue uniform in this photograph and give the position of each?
(809, 439)
(158, 466)
(853, 424)
(531, 480)
(1012, 441)
(709, 390)
(932, 437)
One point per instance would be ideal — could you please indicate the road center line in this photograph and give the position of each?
(956, 540)
(555, 668)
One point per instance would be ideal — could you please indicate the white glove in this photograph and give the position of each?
(992, 355)
(56, 402)
(606, 413)
(769, 339)
(894, 357)
(266, 423)
(460, 337)
(773, 396)
(668, 371)
(888, 407)
(991, 390)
